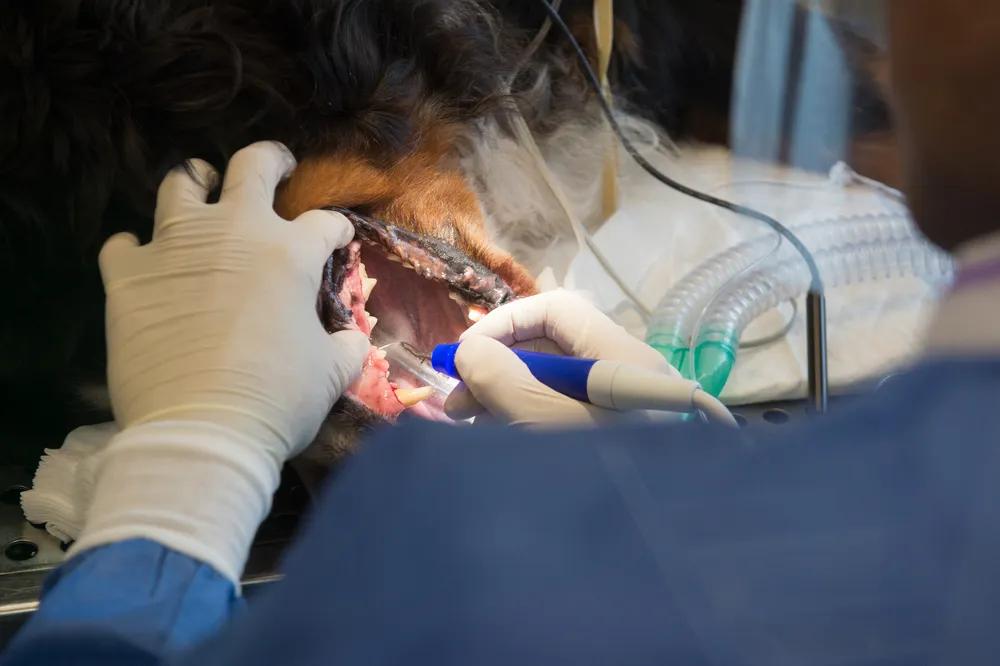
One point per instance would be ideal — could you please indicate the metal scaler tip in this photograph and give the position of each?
(423, 356)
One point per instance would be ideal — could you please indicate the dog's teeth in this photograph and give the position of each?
(367, 284)
(372, 321)
(405, 265)
(455, 297)
(381, 353)
(410, 397)
(393, 257)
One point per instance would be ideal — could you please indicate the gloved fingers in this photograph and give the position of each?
(556, 315)
(485, 419)
(112, 258)
(254, 172)
(576, 326)
(586, 332)
(461, 404)
(189, 183)
(519, 321)
(540, 345)
(504, 386)
(322, 232)
(601, 338)
(349, 349)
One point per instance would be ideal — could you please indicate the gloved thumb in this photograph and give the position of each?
(325, 232)
(505, 387)
(111, 260)
(462, 404)
(350, 351)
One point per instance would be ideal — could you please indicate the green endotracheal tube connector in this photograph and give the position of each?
(714, 358)
(673, 348)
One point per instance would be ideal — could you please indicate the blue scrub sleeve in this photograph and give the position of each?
(127, 604)
(867, 537)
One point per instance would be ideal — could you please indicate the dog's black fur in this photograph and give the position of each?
(100, 98)
(672, 64)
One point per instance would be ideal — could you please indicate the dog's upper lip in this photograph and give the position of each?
(431, 258)
(434, 259)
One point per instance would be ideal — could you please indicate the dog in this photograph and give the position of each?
(399, 111)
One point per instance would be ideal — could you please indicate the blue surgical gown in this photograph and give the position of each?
(870, 536)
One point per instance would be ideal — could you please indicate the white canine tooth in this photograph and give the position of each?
(367, 284)
(410, 397)
(455, 297)
(381, 353)
(372, 321)
(393, 257)
(405, 265)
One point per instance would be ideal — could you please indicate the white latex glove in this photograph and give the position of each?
(555, 322)
(218, 367)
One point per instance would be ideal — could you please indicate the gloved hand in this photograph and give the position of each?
(218, 367)
(495, 381)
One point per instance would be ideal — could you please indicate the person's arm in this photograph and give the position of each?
(868, 538)
(216, 378)
(127, 603)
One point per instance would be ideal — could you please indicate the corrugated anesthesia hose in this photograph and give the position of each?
(672, 325)
(723, 323)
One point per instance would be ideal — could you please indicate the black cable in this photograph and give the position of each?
(815, 301)
(595, 82)
(536, 42)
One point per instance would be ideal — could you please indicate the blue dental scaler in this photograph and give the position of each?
(608, 384)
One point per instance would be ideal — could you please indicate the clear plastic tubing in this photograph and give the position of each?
(723, 324)
(672, 324)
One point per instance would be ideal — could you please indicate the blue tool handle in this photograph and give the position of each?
(564, 374)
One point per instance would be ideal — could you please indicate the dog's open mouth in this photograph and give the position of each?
(397, 286)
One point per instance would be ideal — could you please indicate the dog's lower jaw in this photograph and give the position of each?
(338, 438)
(341, 432)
